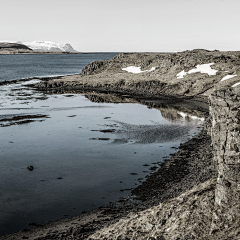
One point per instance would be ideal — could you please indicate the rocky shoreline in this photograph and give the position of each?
(178, 201)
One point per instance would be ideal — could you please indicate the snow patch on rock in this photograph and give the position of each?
(236, 84)
(181, 74)
(203, 68)
(133, 69)
(228, 77)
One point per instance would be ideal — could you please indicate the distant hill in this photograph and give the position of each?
(14, 48)
(13, 45)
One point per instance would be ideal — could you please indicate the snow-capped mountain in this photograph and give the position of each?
(47, 46)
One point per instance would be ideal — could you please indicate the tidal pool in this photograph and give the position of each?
(84, 154)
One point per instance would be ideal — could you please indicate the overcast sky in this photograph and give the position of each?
(124, 25)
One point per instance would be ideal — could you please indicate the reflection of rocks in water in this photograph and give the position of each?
(171, 108)
(108, 98)
(105, 130)
(104, 139)
(8, 120)
(146, 134)
(167, 110)
(120, 141)
(173, 113)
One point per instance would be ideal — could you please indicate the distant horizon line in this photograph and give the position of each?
(151, 51)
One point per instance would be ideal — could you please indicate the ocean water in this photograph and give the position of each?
(25, 66)
(84, 154)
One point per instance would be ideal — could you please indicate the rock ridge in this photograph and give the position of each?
(109, 75)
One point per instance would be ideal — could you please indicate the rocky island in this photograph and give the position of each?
(195, 193)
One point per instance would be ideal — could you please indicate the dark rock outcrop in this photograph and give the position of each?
(92, 67)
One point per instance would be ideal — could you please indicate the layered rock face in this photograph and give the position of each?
(225, 134)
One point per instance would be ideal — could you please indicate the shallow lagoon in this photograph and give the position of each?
(76, 167)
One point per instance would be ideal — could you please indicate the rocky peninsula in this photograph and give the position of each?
(195, 193)
(188, 73)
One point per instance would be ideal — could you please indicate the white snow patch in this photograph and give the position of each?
(236, 84)
(133, 69)
(228, 77)
(181, 74)
(203, 68)
(152, 69)
(226, 71)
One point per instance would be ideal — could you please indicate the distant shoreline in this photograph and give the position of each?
(32, 53)
(6, 52)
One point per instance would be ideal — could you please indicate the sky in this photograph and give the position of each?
(124, 25)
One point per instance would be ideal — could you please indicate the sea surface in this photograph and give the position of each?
(84, 154)
(19, 66)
